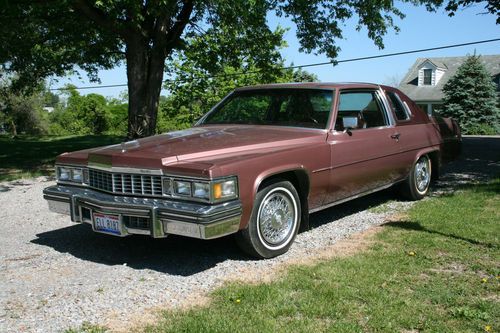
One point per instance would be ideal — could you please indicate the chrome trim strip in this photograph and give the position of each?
(338, 202)
(57, 198)
(321, 170)
(137, 231)
(118, 169)
(387, 111)
(226, 212)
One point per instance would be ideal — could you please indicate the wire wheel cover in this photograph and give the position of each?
(422, 174)
(277, 217)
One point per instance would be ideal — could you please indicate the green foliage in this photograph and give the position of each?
(52, 37)
(207, 70)
(87, 328)
(471, 98)
(88, 114)
(116, 117)
(22, 112)
(190, 99)
(300, 75)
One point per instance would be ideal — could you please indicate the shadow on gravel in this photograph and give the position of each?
(337, 212)
(186, 256)
(4, 188)
(173, 255)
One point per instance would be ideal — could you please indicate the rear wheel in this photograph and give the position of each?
(417, 184)
(274, 221)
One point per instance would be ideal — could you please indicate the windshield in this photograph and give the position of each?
(278, 107)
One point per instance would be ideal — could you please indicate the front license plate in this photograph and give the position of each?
(109, 224)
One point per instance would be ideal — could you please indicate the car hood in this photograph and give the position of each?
(198, 144)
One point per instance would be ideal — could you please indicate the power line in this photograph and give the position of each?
(315, 64)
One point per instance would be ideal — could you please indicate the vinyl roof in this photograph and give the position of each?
(311, 85)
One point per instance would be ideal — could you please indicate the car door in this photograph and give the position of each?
(364, 151)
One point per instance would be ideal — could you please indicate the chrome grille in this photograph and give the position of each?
(122, 183)
(101, 180)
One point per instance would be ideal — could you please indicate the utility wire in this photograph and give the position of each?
(313, 64)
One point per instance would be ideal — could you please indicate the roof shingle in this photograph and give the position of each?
(409, 85)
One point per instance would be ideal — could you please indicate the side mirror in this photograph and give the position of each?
(349, 123)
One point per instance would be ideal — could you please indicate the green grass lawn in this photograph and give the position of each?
(28, 156)
(438, 270)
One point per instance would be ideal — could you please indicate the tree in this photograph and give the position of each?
(22, 112)
(89, 114)
(301, 75)
(471, 98)
(51, 37)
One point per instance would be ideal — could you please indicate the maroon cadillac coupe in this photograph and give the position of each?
(257, 164)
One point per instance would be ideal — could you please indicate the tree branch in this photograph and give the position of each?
(177, 29)
(99, 17)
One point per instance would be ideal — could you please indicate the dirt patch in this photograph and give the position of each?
(343, 248)
(451, 269)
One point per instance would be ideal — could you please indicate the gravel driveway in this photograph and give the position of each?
(55, 274)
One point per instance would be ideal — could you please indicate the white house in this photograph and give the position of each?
(425, 80)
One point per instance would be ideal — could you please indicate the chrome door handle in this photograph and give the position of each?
(396, 136)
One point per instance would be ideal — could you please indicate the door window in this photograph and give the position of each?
(362, 108)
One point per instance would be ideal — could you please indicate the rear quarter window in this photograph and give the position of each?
(400, 111)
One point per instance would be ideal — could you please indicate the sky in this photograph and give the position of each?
(420, 29)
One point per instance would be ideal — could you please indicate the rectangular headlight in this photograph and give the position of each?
(63, 173)
(210, 191)
(201, 190)
(225, 189)
(72, 174)
(182, 188)
(76, 175)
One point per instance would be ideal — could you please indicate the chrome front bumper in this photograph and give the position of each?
(146, 216)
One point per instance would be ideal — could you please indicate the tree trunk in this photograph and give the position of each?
(13, 128)
(145, 66)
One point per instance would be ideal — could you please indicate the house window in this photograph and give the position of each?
(427, 77)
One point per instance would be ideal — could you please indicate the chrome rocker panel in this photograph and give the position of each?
(165, 217)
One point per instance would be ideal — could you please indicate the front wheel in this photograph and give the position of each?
(274, 221)
(417, 184)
